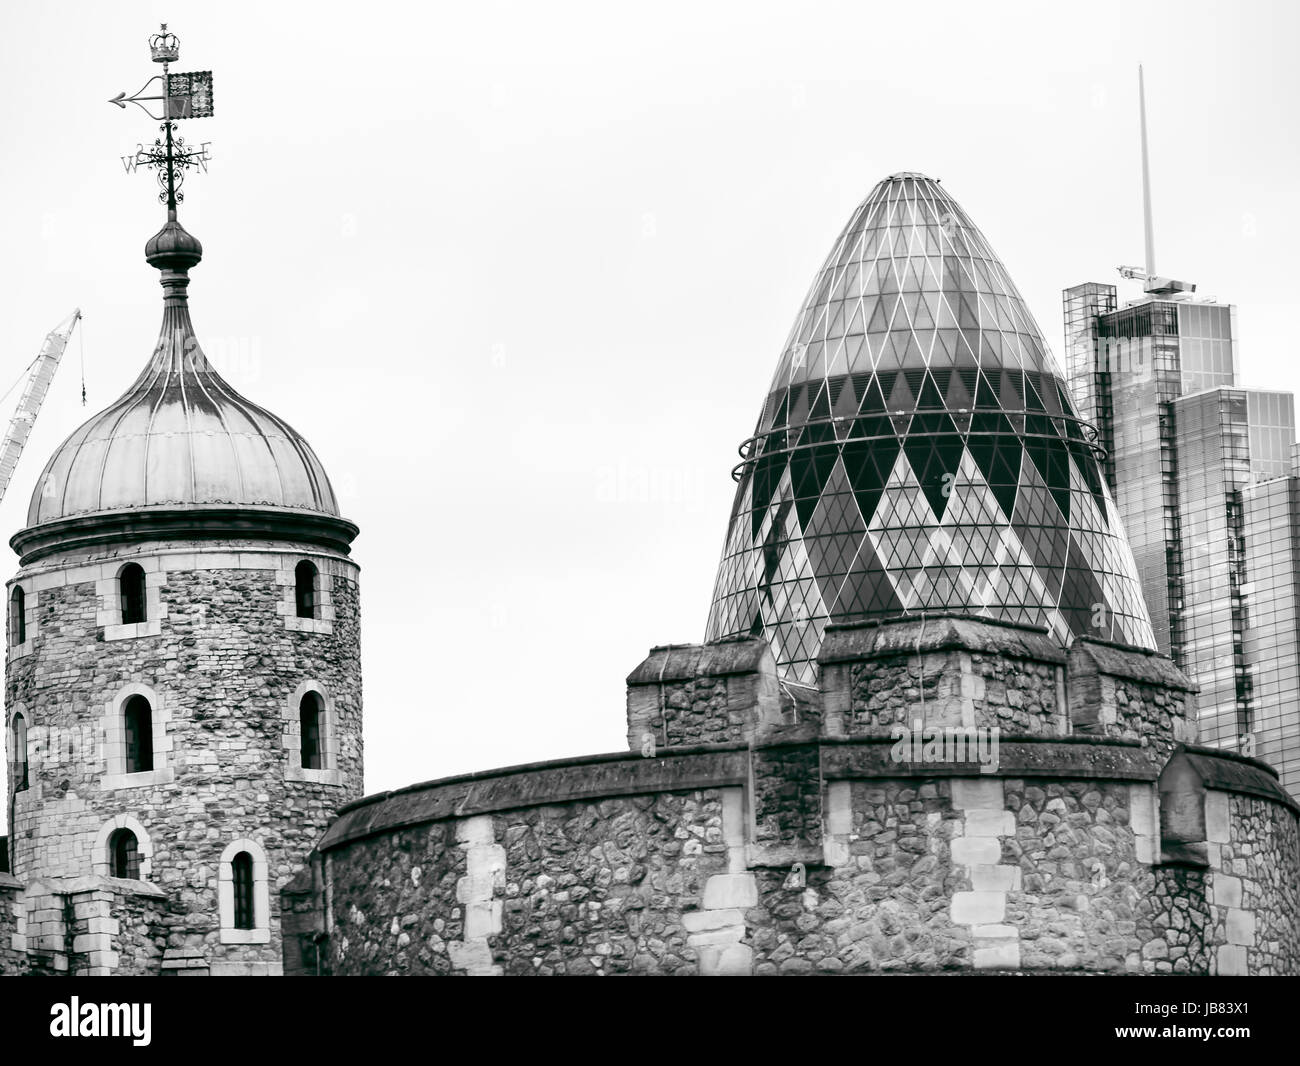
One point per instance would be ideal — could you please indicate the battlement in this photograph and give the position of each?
(940, 671)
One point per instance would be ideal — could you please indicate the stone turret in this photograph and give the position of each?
(183, 681)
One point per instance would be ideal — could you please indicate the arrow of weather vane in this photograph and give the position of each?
(182, 96)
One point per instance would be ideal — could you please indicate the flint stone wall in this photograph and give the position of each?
(141, 938)
(687, 694)
(914, 873)
(223, 667)
(13, 946)
(1254, 887)
(1130, 693)
(944, 671)
(806, 841)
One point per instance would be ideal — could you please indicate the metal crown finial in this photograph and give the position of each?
(166, 47)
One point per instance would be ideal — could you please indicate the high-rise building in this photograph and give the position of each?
(1272, 518)
(918, 452)
(1201, 471)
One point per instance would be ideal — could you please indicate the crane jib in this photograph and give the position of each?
(29, 404)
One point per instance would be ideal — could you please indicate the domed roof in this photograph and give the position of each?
(918, 451)
(180, 437)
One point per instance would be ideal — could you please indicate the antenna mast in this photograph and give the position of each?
(1152, 284)
(1146, 177)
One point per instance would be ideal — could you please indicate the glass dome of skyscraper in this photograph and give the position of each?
(919, 452)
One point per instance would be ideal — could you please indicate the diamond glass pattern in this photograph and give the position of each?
(919, 451)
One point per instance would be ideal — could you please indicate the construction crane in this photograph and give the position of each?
(39, 376)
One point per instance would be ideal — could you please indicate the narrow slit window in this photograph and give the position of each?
(18, 728)
(241, 871)
(309, 721)
(139, 735)
(18, 616)
(305, 578)
(131, 590)
(124, 855)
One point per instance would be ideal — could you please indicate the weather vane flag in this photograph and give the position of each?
(182, 96)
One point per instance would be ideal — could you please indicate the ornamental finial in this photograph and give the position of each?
(182, 96)
(166, 47)
(173, 250)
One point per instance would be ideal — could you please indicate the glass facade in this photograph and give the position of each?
(1089, 378)
(1271, 418)
(1213, 442)
(1207, 356)
(919, 451)
(1204, 477)
(1272, 594)
(1137, 355)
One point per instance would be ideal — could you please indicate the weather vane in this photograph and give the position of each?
(183, 96)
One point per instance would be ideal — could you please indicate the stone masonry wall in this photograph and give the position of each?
(787, 798)
(696, 694)
(1016, 696)
(1180, 908)
(577, 889)
(634, 865)
(1130, 694)
(303, 921)
(141, 934)
(694, 712)
(886, 908)
(1254, 882)
(1018, 875)
(395, 902)
(954, 874)
(13, 943)
(1082, 854)
(222, 668)
(1090, 841)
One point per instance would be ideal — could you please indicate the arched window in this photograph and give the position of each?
(123, 849)
(18, 616)
(241, 877)
(138, 717)
(310, 721)
(305, 575)
(244, 893)
(123, 855)
(18, 731)
(131, 593)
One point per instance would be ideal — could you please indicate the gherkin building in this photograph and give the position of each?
(919, 452)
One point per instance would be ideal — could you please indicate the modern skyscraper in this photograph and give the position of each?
(1201, 472)
(1272, 520)
(919, 452)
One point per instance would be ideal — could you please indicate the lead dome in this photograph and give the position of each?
(181, 438)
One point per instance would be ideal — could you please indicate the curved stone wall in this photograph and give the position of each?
(758, 829)
(612, 866)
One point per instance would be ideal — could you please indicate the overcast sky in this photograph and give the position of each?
(521, 272)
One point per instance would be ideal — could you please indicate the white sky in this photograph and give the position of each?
(521, 272)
